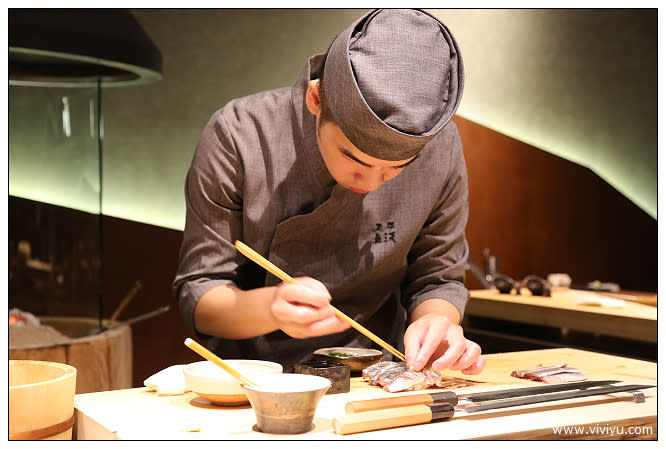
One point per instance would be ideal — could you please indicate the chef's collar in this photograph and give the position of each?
(393, 80)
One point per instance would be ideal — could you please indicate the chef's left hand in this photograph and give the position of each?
(434, 338)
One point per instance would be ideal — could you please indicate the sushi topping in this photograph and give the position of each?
(551, 374)
(396, 376)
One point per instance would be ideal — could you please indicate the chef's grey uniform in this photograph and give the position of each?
(257, 176)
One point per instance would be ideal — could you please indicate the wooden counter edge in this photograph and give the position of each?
(86, 428)
(641, 329)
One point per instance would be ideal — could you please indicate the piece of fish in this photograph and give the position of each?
(552, 374)
(388, 372)
(395, 376)
(434, 378)
(570, 376)
(537, 372)
(382, 369)
(415, 380)
(368, 372)
(407, 380)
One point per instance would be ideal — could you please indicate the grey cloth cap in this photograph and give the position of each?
(393, 80)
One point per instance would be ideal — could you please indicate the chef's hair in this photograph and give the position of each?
(325, 114)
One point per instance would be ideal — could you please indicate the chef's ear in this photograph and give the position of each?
(312, 98)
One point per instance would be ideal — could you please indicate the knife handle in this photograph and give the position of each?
(382, 419)
(392, 402)
(390, 417)
(400, 401)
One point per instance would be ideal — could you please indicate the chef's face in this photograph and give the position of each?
(349, 166)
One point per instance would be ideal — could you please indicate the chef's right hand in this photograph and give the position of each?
(302, 310)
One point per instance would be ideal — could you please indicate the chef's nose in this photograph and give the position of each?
(373, 178)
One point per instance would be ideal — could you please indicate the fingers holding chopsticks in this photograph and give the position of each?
(302, 310)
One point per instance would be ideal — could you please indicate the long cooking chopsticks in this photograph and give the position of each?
(261, 261)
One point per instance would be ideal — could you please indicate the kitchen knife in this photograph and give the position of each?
(453, 398)
(421, 414)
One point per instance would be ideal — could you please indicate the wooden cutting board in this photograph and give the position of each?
(137, 414)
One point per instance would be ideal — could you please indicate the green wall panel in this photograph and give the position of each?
(581, 84)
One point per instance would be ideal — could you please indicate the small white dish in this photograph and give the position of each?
(213, 383)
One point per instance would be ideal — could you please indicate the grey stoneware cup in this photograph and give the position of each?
(286, 403)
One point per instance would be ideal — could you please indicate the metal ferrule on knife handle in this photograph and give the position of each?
(401, 401)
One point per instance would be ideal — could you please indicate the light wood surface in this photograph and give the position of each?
(633, 320)
(399, 400)
(138, 414)
(382, 419)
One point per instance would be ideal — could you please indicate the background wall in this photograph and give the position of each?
(580, 84)
(210, 57)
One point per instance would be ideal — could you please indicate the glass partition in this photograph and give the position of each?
(54, 222)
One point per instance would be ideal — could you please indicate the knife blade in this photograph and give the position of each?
(453, 398)
(425, 413)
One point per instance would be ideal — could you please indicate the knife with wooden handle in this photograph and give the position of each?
(425, 413)
(453, 398)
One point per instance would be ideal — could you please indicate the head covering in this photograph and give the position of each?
(393, 80)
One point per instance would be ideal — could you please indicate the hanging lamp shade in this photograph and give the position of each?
(75, 47)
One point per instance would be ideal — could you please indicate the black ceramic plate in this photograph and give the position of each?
(356, 358)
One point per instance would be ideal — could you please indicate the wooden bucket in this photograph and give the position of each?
(41, 400)
(103, 361)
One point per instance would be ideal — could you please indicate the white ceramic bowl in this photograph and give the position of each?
(219, 387)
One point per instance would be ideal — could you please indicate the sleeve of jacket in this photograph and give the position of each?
(213, 220)
(438, 256)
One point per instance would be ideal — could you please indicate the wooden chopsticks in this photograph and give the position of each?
(261, 261)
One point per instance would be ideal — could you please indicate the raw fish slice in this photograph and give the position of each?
(378, 367)
(538, 372)
(564, 377)
(368, 372)
(387, 373)
(551, 373)
(433, 378)
(384, 369)
(408, 380)
(387, 378)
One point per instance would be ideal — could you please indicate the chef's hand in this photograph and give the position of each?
(434, 337)
(301, 310)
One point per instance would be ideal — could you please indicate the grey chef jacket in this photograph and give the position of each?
(257, 176)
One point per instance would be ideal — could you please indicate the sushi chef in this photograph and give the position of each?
(353, 181)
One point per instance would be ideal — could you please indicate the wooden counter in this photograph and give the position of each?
(138, 414)
(634, 320)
